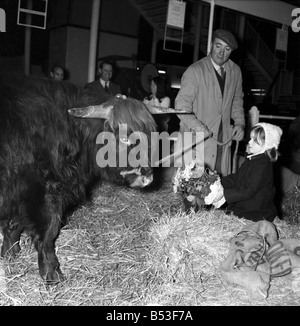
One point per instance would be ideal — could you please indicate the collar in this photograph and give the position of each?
(257, 155)
(217, 67)
(103, 82)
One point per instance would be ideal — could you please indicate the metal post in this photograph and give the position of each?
(242, 24)
(154, 47)
(27, 42)
(198, 33)
(211, 22)
(93, 39)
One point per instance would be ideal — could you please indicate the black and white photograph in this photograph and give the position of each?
(150, 156)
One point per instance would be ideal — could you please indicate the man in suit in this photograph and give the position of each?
(104, 85)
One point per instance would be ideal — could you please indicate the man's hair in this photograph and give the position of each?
(161, 87)
(57, 66)
(105, 63)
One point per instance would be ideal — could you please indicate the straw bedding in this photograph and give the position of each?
(128, 247)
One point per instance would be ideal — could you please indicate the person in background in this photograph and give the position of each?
(104, 86)
(211, 90)
(250, 191)
(57, 73)
(158, 97)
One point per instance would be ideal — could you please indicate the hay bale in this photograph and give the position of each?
(289, 179)
(133, 248)
(291, 205)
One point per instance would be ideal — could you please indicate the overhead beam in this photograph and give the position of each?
(272, 10)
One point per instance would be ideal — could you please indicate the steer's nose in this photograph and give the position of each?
(141, 181)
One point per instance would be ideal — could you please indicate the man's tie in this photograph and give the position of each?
(222, 72)
(106, 87)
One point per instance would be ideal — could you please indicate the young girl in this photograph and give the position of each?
(158, 94)
(158, 97)
(250, 191)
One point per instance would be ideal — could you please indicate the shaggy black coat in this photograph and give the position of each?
(47, 161)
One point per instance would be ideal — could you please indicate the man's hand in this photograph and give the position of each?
(238, 133)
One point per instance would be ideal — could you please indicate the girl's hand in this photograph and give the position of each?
(219, 203)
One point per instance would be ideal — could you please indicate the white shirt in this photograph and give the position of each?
(217, 67)
(103, 83)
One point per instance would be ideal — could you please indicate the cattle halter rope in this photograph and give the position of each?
(189, 146)
(161, 110)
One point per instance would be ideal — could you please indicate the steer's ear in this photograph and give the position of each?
(95, 111)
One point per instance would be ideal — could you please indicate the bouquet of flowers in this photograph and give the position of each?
(199, 185)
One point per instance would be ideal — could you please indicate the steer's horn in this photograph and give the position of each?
(92, 111)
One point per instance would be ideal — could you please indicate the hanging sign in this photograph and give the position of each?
(176, 13)
(174, 29)
(2, 20)
(281, 40)
(32, 13)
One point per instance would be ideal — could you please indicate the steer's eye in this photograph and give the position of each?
(125, 140)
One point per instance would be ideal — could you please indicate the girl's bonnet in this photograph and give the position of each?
(272, 135)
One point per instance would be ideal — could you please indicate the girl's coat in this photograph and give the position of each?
(250, 191)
